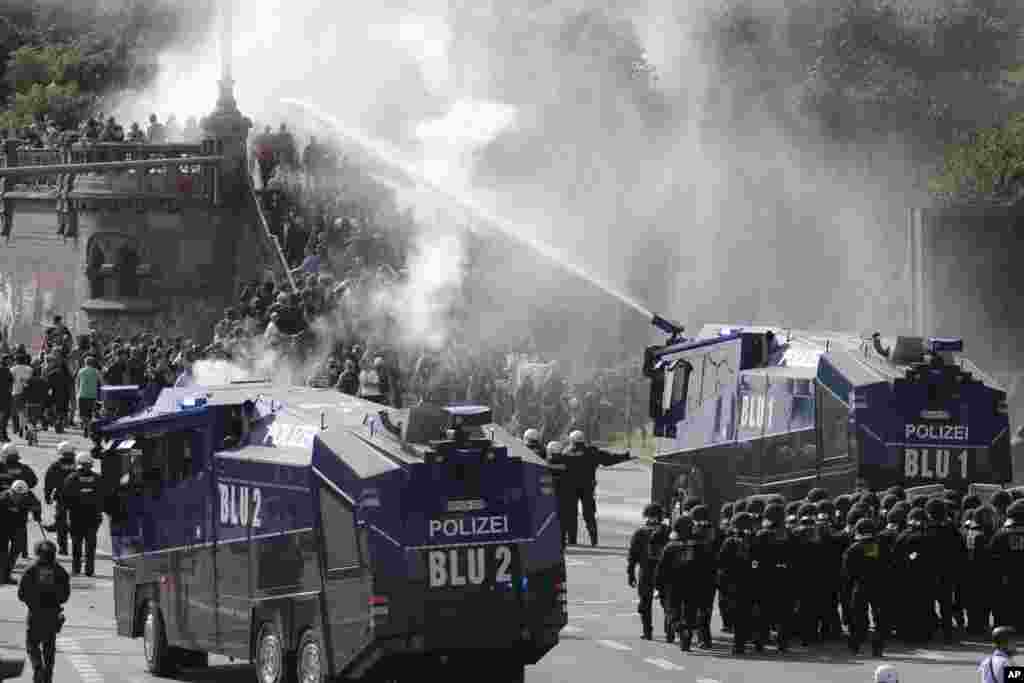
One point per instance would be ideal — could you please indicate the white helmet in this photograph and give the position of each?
(531, 436)
(576, 437)
(65, 447)
(19, 487)
(9, 449)
(83, 459)
(886, 673)
(554, 448)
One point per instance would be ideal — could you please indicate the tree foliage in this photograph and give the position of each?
(989, 165)
(57, 59)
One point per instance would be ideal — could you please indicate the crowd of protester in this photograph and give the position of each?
(47, 134)
(340, 250)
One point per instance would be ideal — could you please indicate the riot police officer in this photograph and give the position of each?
(1006, 553)
(724, 530)
(15, 470)
(864, 574)
(582, 461)
(705, 534)
(681, 577)
(531, 438)
(811, 557)
(949, 552)
(15, 505)
(735, 579)
(644, 552)
(1000, 501)
(53, 483)
(912, 553)
(565, 495)
(976, 590)
(772, 553)
(44, 589)
(83, 495)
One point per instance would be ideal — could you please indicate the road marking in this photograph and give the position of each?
(584, 616)
(664, 664)
(615, 645)
(706, 680)
(80, 661)
(931, 654)
(575, 563)
(572, 629)
(596, 602)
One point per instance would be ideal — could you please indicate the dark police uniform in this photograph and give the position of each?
(53, 483)
(15, 470)
(682, 576)
(736, 579)
(1006, 552)
(772, 561)
(913, 555)
(45, 587)
(865, 566)
(14, 511)
(645, 550)
(706, 534)
(565, 495)
(583, 462)
(83, 495)
(950, 553)
(976, 587)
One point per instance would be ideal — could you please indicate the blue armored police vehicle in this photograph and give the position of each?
(323, 537)
(759, 410)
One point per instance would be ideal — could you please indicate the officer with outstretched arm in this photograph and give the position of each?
(582, 461)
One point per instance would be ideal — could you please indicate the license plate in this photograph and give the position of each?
(465, 566)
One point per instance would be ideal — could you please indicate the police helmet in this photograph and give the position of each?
(1000, 499)
(854, 516)
(1016, 511)
(792, 508)
(755, 506)
(897, 491)
(791, 520)
(65, 448)
(778, 499)
(863, 509)
(554, 448)
(936, 509)
(576, 437)
(19, 487)
(864, 528)
(743, 521)
(826, 507)
(869, 499)
(844, 503)
(897, 515)
(971, 502)
(1001, 634)
(654, 511)
(683, 526)
(889, 501)
(775, 513)
(919, 502)
(531, 436)
(83, 460)
(886, 673)
(46, 550)
(699, 513)
(807, 510)
(691, 503)
(917, 516)
(10, 452)
(817, 494)
(740, 506)
(985, 516)
(726, 511)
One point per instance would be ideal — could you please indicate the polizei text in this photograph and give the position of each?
(938, 432)
(469, 526)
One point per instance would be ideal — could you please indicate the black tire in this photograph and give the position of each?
(310, 660)
(273, 662)
(158, 656)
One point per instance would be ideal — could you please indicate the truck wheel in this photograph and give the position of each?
(310, 664)
(272, 661)
(159, 660)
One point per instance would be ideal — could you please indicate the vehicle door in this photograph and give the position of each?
(347, 579)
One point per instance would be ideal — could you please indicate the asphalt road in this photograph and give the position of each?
(601, 644)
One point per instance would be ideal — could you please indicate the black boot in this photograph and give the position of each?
(685, 639)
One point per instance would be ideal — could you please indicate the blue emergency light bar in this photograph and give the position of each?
(946, 345)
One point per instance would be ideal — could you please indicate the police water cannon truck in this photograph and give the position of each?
(323, 537)
(750, 410)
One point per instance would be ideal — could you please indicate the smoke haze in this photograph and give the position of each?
(703, 201)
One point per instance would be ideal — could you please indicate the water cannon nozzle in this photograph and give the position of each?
(673, 329)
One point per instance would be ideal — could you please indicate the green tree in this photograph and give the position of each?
(989, 165)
